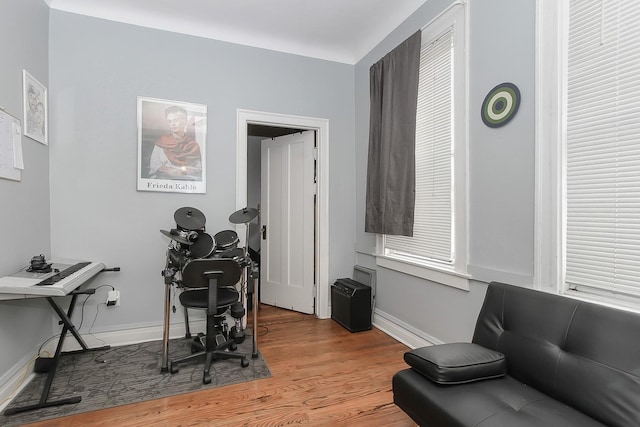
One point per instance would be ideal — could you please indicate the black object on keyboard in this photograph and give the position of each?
(63, 274)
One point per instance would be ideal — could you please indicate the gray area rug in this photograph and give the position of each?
(128, 374)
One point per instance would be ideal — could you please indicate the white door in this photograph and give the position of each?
(288, 223)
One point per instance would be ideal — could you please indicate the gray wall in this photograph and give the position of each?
(24, 212)
(92, 211)
(501, 162)
(501, 36)
(98, 68)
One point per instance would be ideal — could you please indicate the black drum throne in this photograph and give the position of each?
(209, 285)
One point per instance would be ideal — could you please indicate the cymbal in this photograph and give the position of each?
(189, 218)
(177, 238)
(243, 216)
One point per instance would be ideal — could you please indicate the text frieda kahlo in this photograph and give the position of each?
(172, 186)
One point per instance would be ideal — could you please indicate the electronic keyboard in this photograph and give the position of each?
(64, 277)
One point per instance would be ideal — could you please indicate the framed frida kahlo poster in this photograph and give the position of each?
(171, 146)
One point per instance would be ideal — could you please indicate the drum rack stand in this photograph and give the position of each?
(192, 219)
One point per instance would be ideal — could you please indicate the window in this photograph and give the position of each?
(595, 123)
(437, 250)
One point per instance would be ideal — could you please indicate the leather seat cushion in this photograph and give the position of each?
(501, 402)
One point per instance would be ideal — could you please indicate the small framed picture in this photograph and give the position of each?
(36, 116)
(171, 146)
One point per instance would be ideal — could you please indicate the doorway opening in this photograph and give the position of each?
(251, 127)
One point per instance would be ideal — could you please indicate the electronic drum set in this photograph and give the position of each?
(189, 241)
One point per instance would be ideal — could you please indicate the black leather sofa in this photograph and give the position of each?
(536, 359)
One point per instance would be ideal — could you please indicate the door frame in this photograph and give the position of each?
(321, 127)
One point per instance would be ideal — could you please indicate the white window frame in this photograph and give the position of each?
(550, 156)
(549, 152)
(455, 273)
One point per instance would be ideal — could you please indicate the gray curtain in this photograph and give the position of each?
(392, 134)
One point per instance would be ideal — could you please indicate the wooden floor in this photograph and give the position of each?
(322, 375)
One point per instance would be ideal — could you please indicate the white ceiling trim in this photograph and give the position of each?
(334, 30)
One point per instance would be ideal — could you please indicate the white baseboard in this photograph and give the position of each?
(129, 336)
(401, 331)
(16, 379)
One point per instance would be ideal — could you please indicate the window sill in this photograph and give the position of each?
(620, 303)
(432, 272)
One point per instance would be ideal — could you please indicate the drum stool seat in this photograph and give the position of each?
(197, 298)
(206, 283)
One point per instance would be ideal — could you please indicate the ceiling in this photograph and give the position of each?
(336, 30)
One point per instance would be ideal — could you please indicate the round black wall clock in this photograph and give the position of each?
(500, 105)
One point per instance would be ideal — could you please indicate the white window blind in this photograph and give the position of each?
(603, 147)
(432, 230)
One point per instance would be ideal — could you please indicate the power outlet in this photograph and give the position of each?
(113, 298)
